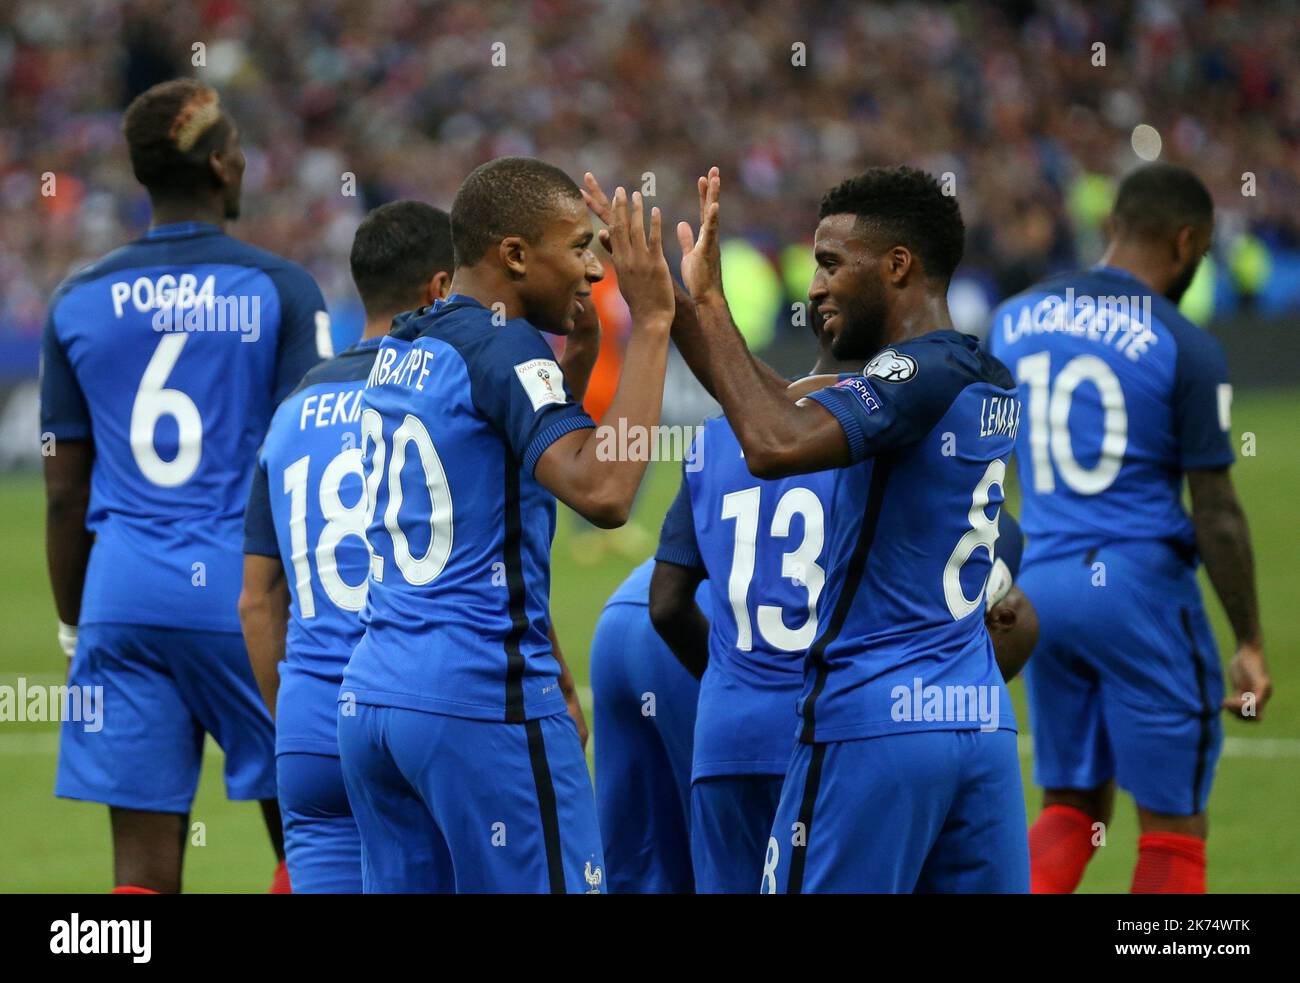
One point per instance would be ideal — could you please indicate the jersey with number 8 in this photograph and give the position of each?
(170, 355)
(1122, 395)
(912, 531)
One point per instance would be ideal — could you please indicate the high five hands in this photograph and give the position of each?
(643, 276)
(701, 256)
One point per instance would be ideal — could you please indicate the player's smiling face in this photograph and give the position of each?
(560, 269)
(847, 289)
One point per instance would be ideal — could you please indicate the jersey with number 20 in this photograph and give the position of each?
(454, 417)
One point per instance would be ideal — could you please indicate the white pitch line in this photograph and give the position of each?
(1288, 748)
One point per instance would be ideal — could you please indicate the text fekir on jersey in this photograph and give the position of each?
(999, 415)
(330, 409)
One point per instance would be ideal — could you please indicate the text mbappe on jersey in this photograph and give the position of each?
(999, 416)
(404, 373)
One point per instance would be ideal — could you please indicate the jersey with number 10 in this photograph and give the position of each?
(307, 507)
(1122, 395)
(456, 412)
(901, 643)
(170, 354)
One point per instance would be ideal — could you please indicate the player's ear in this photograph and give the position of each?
(437, 288)
(513, 255)
(1001, 619)
(898, 264)
(1185, 246)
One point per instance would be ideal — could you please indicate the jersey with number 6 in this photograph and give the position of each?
(170, 355)
(901, 643)
(456, 412)
(307, 507)
(1122, 395)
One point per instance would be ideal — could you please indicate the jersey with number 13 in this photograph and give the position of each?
(170, 354)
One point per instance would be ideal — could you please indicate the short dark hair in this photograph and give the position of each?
(170, 130)
(906, 207)
(506, 196)
(397, 249)
(1156, 200)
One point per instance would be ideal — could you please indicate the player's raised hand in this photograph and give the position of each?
(643, 277)
(702, 255)
(594, 195)
(1248, 673)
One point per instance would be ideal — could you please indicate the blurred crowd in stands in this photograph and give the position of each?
(1031, 107)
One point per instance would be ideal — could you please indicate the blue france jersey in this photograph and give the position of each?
(455, 414)
(762, 546)
(307, 507)
(901, 643)
(1123, 394)
(170, 354)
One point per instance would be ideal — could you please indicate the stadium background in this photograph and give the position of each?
(398, 98)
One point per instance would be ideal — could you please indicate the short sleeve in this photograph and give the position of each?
(259, 525)
(677, 542)
(63, 405)
(1202, 402)
(304, 338)
(897, 400)
(520, 388)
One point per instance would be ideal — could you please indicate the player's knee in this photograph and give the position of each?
(1157, 822)
(1098, 803)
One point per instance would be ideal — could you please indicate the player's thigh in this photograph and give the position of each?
(642, 824)
(402, 849)
(321, 843)
(213, 672)
(731, 820)
(1071, 747)
(134, 742)
(514, 802)
(861, 815)
(984, 844)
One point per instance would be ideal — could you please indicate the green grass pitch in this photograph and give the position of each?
(47, 844)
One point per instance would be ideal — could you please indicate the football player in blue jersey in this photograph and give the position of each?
(463, 769)
(760, 547)
(306, 516)
(644, 718)
(162, 364)
(1125, 398)
(905, 775)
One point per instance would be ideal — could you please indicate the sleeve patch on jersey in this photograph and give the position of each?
(324, 340)
(1225, 406)
(542, 381)
(861, 388)
(891, 366)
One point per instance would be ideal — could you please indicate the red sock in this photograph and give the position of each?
(132, 889)
(1060, 846)
(1169, 863)
(280, 882)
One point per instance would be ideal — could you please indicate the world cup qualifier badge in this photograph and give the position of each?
(891, 366)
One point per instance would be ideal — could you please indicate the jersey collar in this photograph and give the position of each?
(180, 230)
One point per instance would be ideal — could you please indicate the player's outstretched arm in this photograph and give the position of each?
(581, 468)
(1223, 539)
(1013, 626)
(264, 616)
(67, 540)
(779, 437)
(569, 688)
(677, 618)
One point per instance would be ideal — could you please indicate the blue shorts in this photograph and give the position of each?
(454, 804)
(644, 723)
(1125, 682)
(163, 689)
(321, 844)
(937, 811)
(731, 818)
